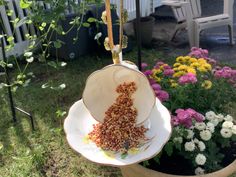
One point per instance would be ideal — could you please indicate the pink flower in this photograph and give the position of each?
(187, 78)
(168, 72)
(226, 73)
(156, 86)
(174, 120)
(186, 117)
(151, 81)
(158, 64)
(162, 95)
(144, 65)
(147, 72)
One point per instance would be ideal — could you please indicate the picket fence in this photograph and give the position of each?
(19, 33)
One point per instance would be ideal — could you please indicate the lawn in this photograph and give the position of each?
(45, 151)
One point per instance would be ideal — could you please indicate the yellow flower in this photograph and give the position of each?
(202, 69)
(193, 60)
(183, 67)
(178, 74)
(175, 69)
(180, 59)
(191, 70)
(195, 64)
(202, 61)
(208, 67)
(156, 71)
(177, 64)
(174, 85)
(207, 84)
(158, 79)
(187, 58)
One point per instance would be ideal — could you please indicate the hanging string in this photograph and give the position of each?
(115, 49)
(109, 24)
(121, 24)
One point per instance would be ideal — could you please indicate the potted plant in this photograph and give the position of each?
(196, 90)
(146, 29)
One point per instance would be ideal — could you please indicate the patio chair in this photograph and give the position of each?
(188, 14)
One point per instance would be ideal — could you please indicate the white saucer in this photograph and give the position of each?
(79, 123)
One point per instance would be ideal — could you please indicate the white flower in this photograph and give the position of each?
(190, 134)
(28, 54)
(200, 159)
(189, 146)
(199, 171)
(200, 125)
(63, 64)
(178, 140)
(228, 118)
(201, 146)
(234, 129)
(210, 126)
(210, 115)
(10, 65)
(226, 133)
(97, 36)
(205, 135)
(220, 117)
(215, 121)
(62, 86)
(30, 60)
(227, 124)
(2, 85)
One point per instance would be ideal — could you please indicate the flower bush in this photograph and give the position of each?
(200, 138)
(196, 89)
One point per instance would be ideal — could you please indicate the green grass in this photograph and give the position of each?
(45, 152)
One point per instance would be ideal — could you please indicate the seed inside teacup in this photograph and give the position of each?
(118, 132)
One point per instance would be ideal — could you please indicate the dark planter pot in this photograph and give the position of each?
(146, 29)
(70, 49)
(140, 171)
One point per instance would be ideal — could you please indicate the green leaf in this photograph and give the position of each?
(24, 4)
(91, 20)
(21, 22)
(53, 64)
(169, 148)
(10, 12)
(60, 113)
(57, 44)
(146, 163)
(10, 39)
(86, 25)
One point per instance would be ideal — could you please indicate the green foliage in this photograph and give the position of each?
(25, 4)
(169, 148)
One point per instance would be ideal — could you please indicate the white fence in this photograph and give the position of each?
(146, 7)
(21, 43)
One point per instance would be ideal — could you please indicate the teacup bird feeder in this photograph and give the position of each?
(100, 93)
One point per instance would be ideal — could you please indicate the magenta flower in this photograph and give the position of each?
(226, 73)
(158, 64)
(186, 117)
(187, 78)
(162, 95)
(151, 81)
(168, 72)
(144, 65)
(147, 72)
(156, 86)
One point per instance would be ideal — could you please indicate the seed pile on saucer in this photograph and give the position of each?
(118, 132)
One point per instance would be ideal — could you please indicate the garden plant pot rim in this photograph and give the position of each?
(140, 171)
